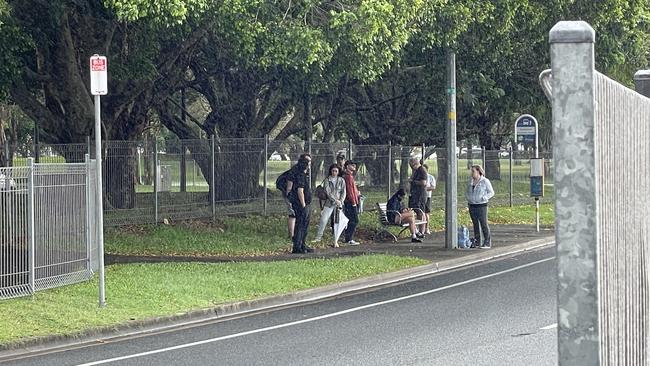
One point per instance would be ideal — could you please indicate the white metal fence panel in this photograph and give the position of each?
(47, 227)
(14, 271)
(623, 122)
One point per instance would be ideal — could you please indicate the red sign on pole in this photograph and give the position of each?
(97, 64)
(98, 75)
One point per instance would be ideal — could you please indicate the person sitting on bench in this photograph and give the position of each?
(397, 213)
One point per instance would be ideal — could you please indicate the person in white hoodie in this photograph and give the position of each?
(479, 192)
(335, 188)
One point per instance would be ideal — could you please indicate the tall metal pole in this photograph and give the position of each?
(266, 173)
(99, 203)
(451, 186)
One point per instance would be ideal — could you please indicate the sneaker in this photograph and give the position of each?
(307, 249)
(416, 240)
(297, 251)
(486, 246)
(419, 235)
(352, 242)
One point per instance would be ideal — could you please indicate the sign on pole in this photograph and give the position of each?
(98, 75)
(527, 133)
(99, 86)
(526, 130)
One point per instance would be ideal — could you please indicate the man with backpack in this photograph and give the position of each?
(300, 198)
(284, 184)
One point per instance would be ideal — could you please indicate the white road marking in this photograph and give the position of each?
(326, 316)
(549, 327)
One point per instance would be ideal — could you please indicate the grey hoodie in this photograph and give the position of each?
(481, 193)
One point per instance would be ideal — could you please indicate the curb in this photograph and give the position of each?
(242, 308)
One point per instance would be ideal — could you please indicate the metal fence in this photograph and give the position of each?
(601, 133)
(46, 226)
(149, 181)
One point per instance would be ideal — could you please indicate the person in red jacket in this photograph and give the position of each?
(350, 206)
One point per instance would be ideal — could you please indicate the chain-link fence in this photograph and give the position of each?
(149, 181)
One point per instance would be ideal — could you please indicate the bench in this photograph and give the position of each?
(382, 213)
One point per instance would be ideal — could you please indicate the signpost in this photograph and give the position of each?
(527, 133)
(98, 87)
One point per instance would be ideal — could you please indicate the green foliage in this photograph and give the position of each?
(165, 11)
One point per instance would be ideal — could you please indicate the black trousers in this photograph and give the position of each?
(352, 215)
(302, 225)
(478, 214)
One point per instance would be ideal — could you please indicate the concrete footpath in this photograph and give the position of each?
(507, 240)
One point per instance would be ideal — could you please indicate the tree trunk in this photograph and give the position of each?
(492, 165)
(378, 170)
(118, 170)
(238, 168)
(405, 155)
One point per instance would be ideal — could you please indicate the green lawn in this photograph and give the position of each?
(140, 291)
(256, 235)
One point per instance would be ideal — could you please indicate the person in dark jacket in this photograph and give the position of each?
(300, 198)
(397, 213)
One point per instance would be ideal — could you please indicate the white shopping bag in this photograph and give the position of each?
(340, 225)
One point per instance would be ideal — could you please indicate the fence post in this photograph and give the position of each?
(213, 187)
(577, 226)
(510, 173)
(349, 149)
(266, 173)
(156, 172)
(183, 168)
(88, 147)
(37, 152)
(483, 162)
(31, 230)
(390, 169)
(89, 207)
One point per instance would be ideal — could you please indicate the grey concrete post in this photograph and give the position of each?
(576, 206)
(451, 184)
(642, 82)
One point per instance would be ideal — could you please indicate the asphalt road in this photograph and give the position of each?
(498, 313)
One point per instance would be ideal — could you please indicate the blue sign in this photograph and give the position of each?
(526, 129)
(537, 186)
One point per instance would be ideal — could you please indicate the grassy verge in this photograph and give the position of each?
(256, 235)
(139, 291)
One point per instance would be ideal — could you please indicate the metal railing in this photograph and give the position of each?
(46, 226)
(601, 133)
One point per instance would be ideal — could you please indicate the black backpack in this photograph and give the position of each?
(281, 182)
